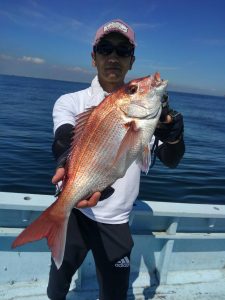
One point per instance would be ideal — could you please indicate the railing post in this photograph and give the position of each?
(166, 252)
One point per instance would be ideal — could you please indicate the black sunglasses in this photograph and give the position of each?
(107, 48)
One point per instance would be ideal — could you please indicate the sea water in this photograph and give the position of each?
(26, 136)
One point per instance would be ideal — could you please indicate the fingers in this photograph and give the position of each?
(90, 202)
(168, 119)
(59, 174)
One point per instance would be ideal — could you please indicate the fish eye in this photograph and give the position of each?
(132, 89)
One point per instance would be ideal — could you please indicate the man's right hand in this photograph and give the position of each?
(92, 201)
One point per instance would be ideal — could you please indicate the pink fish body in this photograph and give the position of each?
(107, 140)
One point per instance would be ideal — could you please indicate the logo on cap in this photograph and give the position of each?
(116, 25)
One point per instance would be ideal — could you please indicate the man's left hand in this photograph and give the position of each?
(171, 130)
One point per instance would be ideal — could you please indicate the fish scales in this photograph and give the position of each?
(96, 154)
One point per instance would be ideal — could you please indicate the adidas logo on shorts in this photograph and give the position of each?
(123, 263)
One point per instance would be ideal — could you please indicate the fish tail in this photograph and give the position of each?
(49, 225)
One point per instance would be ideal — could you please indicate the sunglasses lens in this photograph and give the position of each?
(104, 49)
(108, 48)
(124, 51)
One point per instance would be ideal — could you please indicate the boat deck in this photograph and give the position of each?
(186, 291)
(179, 252)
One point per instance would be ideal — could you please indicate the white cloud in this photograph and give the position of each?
(5, 57)
(26, 59)
(79, 69)
(38, 16)
(33, 60)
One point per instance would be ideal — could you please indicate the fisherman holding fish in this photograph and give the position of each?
(114, 128)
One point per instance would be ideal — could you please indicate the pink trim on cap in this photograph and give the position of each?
(115, 26)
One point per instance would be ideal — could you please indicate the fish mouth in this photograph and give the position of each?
(162, 86)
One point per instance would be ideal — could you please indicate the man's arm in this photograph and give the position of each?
(61, 144)
(170, 131)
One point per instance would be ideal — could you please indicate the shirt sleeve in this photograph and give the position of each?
(62, 143)
(63, 112)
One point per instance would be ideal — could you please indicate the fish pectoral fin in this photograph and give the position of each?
(130, 139)
(47, 226)
(144, 159)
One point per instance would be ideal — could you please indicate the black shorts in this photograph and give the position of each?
(111, 246)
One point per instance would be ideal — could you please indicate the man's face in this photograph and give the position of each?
(113, 67)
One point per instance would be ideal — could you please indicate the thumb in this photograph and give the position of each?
(59, 174)
(169, 119)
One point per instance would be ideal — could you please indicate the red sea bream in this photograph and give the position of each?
(108, 138)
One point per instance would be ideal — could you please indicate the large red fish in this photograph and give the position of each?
(107, 140)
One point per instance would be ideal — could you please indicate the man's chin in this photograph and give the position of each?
(113, 76)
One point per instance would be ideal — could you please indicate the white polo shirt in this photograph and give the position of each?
(116, 208)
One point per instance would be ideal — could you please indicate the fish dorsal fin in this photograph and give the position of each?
(129, 141)
(81, 121)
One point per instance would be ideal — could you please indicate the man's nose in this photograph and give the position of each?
(113, 57)
(113, 60)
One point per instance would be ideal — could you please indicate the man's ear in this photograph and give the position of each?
(93, 59)
(132, 61)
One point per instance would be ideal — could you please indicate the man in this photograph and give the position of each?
(100, 224)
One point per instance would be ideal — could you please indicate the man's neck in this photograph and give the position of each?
(110, 87)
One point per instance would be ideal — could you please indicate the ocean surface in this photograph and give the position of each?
(26, 135)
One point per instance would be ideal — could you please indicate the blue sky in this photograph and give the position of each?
(182, 39)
